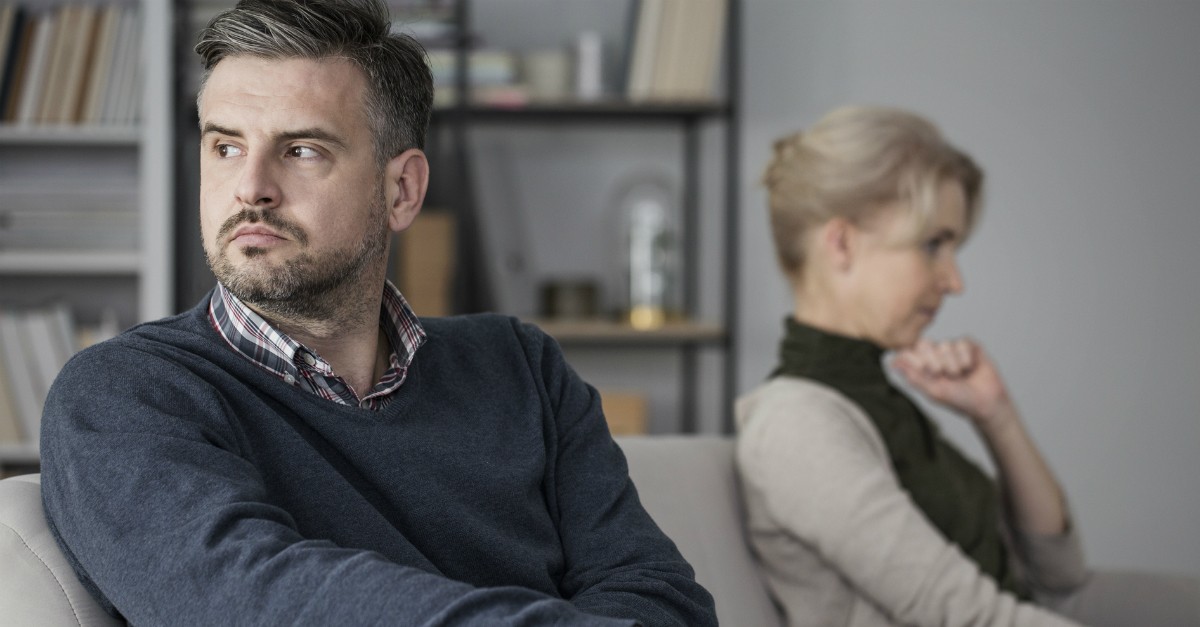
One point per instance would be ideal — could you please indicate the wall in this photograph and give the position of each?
(1080, 279)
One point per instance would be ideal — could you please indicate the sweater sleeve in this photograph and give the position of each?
(148, 492)
(823, 478)
(1051, 563)
(618, 562)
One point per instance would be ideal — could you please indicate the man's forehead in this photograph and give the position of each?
(334, 77)
(291, 93)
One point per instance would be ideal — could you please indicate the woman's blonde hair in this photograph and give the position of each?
(852, 162)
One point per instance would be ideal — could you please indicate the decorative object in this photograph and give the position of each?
(650, 250)
(547, 74)
(570, 299)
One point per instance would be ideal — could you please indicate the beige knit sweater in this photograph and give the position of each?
(843, 544)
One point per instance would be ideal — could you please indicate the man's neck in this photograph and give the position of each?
(351, 340)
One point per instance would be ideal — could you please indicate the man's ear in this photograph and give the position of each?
(406, 178)
(838, 242)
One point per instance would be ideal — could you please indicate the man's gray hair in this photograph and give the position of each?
(399, 95)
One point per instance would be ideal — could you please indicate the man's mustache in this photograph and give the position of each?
(269, 218)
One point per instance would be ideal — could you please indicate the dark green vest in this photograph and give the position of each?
(957, 497)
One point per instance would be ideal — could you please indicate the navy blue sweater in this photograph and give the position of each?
(189, 486)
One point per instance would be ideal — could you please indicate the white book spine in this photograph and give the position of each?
(20, 369)
(119, 67)
(101, 70)
(645, 45)
(41, 350)
(31, 91)
(11, 431)
(130, 97)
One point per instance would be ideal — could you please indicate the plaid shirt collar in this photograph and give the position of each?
(271, 349)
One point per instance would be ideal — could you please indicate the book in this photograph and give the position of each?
(675, 37)
(117, 101)
(425, 263)
(62, 324)
(640, 75)
(20, 371)
(55, 75)
(116, 70)
(708, 43)
(42, 352)
(131, 88)
(12, 41)
(33, 82)
(10, 426)
(9, 29)
(69, 230)
(10, 93)
(676, 51)
(79, 52)
(99, 71)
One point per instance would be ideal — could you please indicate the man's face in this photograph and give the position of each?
(291, 198)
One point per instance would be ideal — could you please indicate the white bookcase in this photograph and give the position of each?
(135, 282)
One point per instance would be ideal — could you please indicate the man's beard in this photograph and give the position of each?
(308, 286)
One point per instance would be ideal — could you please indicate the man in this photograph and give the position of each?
(299, 448)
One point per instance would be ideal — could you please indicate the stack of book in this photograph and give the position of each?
(72, 214)
(74, 64)
(431, 22)
(492, 76)
(35, 343)
(675, 48)
(34, 346)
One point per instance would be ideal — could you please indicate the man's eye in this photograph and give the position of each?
(303, 152)
(226, 150)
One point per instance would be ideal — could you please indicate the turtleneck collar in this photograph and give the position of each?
(809, 352)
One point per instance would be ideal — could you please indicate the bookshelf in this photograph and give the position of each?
(697, 121)
(100, 191)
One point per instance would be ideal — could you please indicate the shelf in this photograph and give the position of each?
(24, 453)
(68, 136)
(69, 263)
(610, 333)
(600, 111)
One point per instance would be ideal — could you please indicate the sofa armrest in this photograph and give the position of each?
(37, 584)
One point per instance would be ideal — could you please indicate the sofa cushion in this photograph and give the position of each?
(689, 485)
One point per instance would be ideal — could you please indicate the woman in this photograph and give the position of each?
(859, 511)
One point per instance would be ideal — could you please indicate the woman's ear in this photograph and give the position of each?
(837, 242)
(406, 178)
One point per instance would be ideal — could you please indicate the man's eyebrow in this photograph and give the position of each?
(303, 133)
(311, 133)
(209, 127)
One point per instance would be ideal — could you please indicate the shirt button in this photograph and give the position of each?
(309, 359)
(289, 379)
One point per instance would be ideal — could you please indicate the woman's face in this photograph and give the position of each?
(899, 281)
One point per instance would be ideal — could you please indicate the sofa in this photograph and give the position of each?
(687, 484)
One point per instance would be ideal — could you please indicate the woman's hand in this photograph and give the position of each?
(959, 374)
